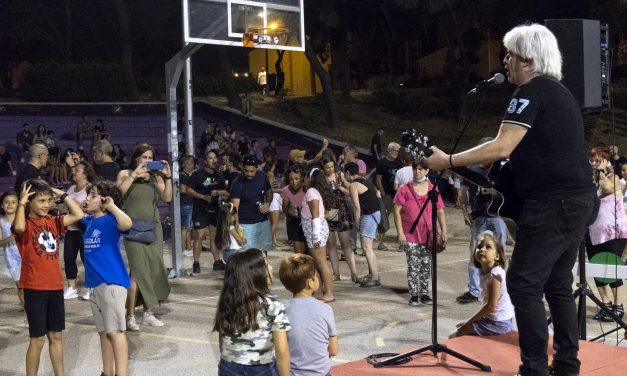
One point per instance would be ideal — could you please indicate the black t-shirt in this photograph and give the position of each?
(107, 171)
(250, 192)
(186, 200)
(5, 158)
(375, 145)
(387, 169)
(617, 163)
(230, 177)
(28, 172)
(550, 161)
(204, 182)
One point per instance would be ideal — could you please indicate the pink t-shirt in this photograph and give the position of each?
(361, 165)
(411, 203)
(311, 194)
(79, 197)
(295, 199)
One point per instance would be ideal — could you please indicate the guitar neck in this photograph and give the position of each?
(473, 177)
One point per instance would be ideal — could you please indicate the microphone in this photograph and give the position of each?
(484, 85)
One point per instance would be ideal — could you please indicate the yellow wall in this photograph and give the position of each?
(298, 73)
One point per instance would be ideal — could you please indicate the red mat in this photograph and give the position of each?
(501, 353)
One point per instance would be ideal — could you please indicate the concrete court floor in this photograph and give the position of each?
(368, 320)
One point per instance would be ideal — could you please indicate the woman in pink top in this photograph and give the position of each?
(608, 233)
(292, 195)
(408, 201)
(315, 226)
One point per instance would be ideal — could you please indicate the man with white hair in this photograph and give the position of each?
(384, 181)
(555, 191)
(31, 170)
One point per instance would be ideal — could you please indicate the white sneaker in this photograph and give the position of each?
(131, 324)
(86, 295)
(188, 253)
(151, 320)
(70, 293)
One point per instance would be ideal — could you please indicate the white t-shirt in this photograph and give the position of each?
(404, 175)
(233, 242)
(504, 309)
(622, 186)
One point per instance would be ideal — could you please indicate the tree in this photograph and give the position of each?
(127, 51)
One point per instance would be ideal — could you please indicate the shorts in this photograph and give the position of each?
(294, 231)
(203, 220)
(275, 205)
(368, 224)
(45, 311)
(307, 225)
(226, 368)
(487, 327)
(186, 217)
(257, 235)
(108, 306)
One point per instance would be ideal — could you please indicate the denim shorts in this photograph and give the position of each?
(487, 327)
(186, 217)
(228, 253)
(257, 235)
(233, 369)
(368, 224)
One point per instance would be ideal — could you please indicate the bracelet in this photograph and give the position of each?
(21, 204)
(166, 177)
(132, 177)
(450, 160)
(61, 199)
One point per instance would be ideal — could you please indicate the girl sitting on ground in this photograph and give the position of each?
(497, 312)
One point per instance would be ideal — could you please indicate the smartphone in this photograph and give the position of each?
(155, 165)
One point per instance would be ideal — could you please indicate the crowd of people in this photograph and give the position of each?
(235, 197)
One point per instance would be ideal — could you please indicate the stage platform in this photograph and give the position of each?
(499, 352)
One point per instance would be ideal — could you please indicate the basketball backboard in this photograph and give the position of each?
(273, 24)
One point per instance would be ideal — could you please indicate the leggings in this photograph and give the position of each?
(73, 245)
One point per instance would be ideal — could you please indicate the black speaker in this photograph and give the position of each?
(580, 44)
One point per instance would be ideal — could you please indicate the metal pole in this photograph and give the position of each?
(173, 70)
(189, 108)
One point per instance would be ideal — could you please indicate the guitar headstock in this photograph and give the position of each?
(415, 143)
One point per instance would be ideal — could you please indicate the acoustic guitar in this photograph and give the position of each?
(498, 183)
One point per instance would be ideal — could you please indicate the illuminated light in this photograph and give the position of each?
(245, 74)
(273, 25)
(236, 74)
(262, 14)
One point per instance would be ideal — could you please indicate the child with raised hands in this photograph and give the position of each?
(251, 323)
(37, 238)
(106, 274)
(497, 312)
(229, 234)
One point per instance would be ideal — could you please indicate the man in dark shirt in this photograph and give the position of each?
(251, 194)
(205, 186)
(384, 181)
(31, 170)
(555, 189)
(616, 159)
(230, 167)
(6, 165)
(24, 140)
(104, 166)
(375, 144)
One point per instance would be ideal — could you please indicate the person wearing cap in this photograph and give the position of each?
(251, 194)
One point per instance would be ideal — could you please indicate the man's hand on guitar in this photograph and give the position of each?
(438, 161)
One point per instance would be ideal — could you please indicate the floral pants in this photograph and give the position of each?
(418, 268)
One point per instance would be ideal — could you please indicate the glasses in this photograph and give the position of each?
(395, 150)
(594, 161)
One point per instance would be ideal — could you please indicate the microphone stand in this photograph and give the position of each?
(435, 347)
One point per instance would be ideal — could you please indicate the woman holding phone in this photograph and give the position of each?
(143, 185)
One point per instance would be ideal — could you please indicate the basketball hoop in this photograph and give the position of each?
(264, 36)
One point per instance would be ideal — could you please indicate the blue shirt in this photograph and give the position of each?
(250, 192)
(103, 260)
